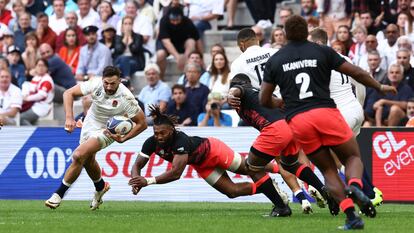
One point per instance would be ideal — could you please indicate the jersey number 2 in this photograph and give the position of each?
(304, 80)
(259, 71)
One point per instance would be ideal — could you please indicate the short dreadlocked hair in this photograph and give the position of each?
(161, 118)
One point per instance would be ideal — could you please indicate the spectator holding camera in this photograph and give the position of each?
(213, 115)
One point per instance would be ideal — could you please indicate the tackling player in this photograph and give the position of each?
(109, 98)
(350, 108)
(275, 138)
(302, 70)
(210, 157)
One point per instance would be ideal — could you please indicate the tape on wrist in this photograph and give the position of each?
(151, 180)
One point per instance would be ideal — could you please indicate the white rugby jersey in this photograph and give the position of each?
(341, 88)
(105, 106)
(252, 63)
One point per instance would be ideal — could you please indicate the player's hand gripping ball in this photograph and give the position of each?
(119, 125)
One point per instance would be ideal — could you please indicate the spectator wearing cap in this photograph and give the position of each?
(8, 39)
(57, 20)
(156, 91)
(180, 106)
(177, 36)
(213, 115)
(94, 56)
(107, 16)
(72, 22)
(16, 66)
(60, 72)
(44, 33)
(23, 28)
(86, 14)
(5, 15)
(108, 38)
(11, 98)
(129, 51)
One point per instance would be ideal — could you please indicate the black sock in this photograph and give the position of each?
(99, 185)
(300, 196)
(62, 190)
(270, 192)
(309, 177)
(368, 187)
(350, 213)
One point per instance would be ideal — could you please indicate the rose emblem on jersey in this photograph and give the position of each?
(114, 103)
(98, 92)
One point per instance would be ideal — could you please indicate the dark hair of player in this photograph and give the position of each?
(110, 71)
(240, 80)
(296, 28)
(318, 34)
(246, 34)
(160, 118)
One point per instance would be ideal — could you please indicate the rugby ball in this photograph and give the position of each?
(119, 125)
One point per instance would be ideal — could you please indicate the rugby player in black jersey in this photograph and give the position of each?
(302, 70)
(210, 157)
(275, 138)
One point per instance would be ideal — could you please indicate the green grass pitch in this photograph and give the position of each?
(170, 217)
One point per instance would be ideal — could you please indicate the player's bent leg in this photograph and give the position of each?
(254, 167)
(79, 156)
(333, 191)
(101, 187)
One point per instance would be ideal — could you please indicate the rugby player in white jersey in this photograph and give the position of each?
(252, 63)
(109, 98)
(350, 107)
(253, 59)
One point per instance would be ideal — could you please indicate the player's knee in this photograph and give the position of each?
(396, 110)
(253, 168)
(289, 163)
(77, 157)
(232, 193)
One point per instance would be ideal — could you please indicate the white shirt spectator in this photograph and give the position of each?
(390, 53)
(218, 86)
(12, 98)
(90, 19)
(202, 8)
(57, 25)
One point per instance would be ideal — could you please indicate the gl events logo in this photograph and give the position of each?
(394, 153)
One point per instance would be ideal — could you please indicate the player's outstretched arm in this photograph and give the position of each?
(140, 163)
(68, 97)
(178, 165)
(363, 77)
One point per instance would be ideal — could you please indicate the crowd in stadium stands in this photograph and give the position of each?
(47, 46)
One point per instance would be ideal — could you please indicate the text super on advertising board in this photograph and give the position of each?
(393, 164)
(33, 162)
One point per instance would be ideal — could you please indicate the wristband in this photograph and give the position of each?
(151, 180)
